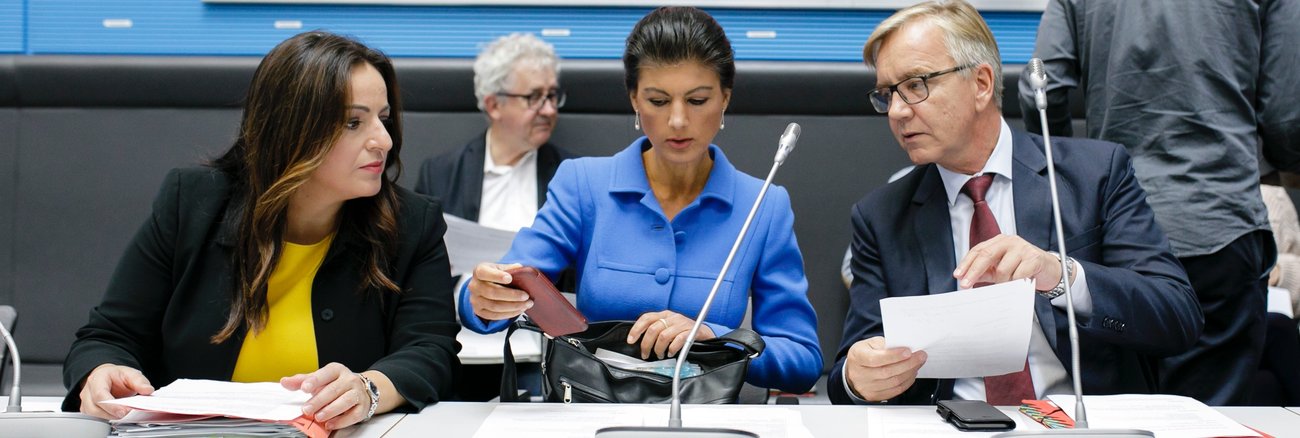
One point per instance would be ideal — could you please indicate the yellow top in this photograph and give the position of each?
(287, 345)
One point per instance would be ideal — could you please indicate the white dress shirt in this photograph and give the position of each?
(1045, 368)
(509, 199)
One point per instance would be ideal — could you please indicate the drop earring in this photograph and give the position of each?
(723, 125)
(636, 121)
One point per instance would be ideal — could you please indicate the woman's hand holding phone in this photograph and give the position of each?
(491, 297)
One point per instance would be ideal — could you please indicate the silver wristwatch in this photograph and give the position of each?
(373, 391)
(1060, 286)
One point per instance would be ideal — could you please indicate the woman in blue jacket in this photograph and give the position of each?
(648, 228)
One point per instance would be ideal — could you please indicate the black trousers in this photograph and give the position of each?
(1278, 381)
(1232, 287)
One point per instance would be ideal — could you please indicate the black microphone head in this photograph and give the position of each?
(1037, 76)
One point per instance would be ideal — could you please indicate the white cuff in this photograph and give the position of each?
(1078, 290)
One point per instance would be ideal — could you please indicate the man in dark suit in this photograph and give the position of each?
(977, 210)
(499, 178)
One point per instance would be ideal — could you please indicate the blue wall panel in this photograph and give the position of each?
(181, 27)
(12, 21)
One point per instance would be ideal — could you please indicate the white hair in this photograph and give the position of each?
(497, 61)
(966, 35)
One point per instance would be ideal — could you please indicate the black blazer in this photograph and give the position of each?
(1143, 305)
(171, 293)
(456, 177)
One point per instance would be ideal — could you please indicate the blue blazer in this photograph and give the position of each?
(1143, 305)
(602, 218)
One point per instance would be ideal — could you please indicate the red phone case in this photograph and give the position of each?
(551, 311)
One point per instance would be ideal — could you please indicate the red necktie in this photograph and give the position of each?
(1008, 389)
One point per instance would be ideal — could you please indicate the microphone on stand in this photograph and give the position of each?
(1038, 82)
(15, 422)
(786, 144)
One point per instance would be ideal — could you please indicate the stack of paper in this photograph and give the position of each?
(149, 425)
(207, 408)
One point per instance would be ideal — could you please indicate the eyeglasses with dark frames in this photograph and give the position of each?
(535, 99)
(913, 90)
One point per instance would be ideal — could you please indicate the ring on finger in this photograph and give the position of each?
(664, 321)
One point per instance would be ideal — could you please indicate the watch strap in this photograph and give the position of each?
(1065, 276)
(372, 390)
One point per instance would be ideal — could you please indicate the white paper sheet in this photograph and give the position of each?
(479, 349)
(579, 420)
(766, 422)
(556, 420)
(970, 333)
(266, 401)
(1168, 416)
(469, 244)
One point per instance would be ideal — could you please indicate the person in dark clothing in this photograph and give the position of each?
(1186, 106)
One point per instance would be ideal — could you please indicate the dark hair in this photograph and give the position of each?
(296, 108)
(675, 34)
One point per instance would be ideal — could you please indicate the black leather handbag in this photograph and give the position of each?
(572, 373)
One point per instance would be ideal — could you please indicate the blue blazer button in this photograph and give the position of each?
(662, 275)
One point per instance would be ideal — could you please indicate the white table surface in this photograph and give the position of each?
(459, 419)
(462, 419)
(375, 428)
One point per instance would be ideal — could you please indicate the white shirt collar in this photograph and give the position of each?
(999, 163)
(491, 167)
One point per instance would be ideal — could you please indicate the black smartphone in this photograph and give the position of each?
(974, 415)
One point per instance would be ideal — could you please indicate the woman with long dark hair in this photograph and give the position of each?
(294, 257)
(648, 229)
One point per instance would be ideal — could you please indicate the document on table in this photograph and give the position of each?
(469, 244)
(553, 420)
(212, 408)
(1168, 416)
(766, 422)
(267, 401)
(970, 333)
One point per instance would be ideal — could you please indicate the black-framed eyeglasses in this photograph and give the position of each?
(913, 90)
(535, 99)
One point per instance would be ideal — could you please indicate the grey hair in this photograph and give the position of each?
(965, 34)
(497, 61)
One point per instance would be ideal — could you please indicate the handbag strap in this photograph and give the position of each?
(747, 338)
(509, 376)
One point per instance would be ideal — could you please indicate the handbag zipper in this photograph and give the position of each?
(570, 388)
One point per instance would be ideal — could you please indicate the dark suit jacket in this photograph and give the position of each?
(456, 178)
(171, 293)
(1143, 305)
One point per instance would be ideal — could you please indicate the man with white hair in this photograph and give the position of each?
(976, 210)
(499, 178)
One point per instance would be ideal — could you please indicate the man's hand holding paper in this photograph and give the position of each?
(971, 333)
